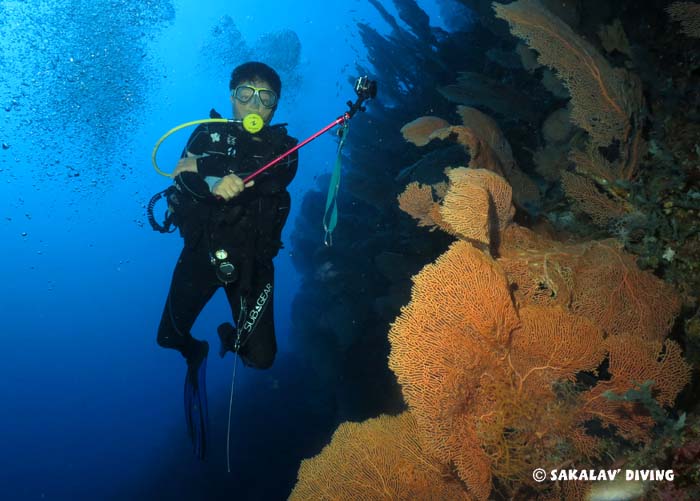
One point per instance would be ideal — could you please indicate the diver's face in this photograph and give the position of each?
(254, 96)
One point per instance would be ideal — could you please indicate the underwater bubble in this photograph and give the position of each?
(86, 63)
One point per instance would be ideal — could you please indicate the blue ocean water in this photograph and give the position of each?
(91, 406)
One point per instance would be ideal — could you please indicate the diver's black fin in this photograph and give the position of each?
(227, 336)
(196, 411)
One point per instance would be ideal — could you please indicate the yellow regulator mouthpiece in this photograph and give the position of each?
(253, 123)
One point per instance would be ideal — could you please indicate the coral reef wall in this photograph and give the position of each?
(541, 307)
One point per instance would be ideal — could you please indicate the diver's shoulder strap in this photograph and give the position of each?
(279, 130)
(279, 138)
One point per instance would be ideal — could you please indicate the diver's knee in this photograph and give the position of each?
(266, 363)
(260, 362)
(164, 342)
(167, 338)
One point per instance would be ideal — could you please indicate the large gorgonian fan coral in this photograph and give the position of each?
(491, 387)
(596, 279)
(492, 384)
(486, 144)
(453, 338)
(607, 102)
(378, 459)
(491, 377)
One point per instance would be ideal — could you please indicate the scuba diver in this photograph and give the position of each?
(229, 200)
(231, 233)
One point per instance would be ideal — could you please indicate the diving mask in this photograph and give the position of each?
(244, 93)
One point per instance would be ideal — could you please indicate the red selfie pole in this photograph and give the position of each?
(364, 88)
(337, 121)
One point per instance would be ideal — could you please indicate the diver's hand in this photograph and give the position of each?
(188, 164)
(230, 186)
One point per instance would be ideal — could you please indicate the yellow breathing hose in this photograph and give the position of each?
(252, 122)
(174, 130)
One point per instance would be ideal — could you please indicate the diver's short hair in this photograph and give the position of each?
(252, 70)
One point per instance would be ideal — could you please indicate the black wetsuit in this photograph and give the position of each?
(247, 228)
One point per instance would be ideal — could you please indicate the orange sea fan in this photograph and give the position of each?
(539, 269)
(603, 97)
(588, 199)
(463, 293)
(485, 140)
(453, 331)
(553, 344)
(607, 102)
(585, 445)
(597, 280)
(478, 204)
(489, 131)
(378, 459)
(481, 153)
(632, 363)
(474, 465)
(595, 166)
(491, 388)
(470, 289)
(593, 188)
(532, 421)
(499, 190)
(417, 201)
(466, 209)
(611, 290)
(490, 384)
(419, 130)
(440, 221)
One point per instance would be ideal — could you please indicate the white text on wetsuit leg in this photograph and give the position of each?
(255, 313)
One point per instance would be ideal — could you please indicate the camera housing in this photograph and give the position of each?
(366, 88)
